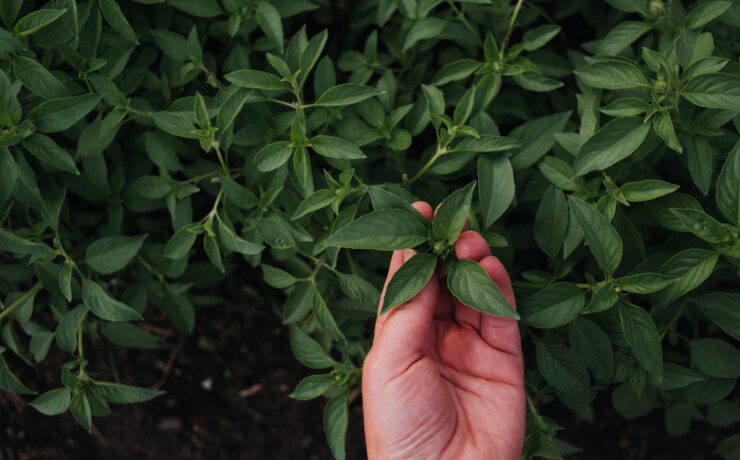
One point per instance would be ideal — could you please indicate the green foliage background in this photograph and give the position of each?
(151, 149)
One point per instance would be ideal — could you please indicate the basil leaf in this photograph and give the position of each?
(409, 280)
(469, 283)
(384, 230)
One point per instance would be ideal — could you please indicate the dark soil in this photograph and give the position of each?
(227, 397)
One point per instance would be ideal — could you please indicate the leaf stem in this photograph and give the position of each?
(21, 300)
(510, 29)
(80, 341)
(441, 150)
(220, 156)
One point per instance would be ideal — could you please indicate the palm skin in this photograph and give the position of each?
(443, 381)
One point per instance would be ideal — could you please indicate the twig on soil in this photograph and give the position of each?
(169, 365)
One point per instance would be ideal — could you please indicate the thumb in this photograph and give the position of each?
(405, 329)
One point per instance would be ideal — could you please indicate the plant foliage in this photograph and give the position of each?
(152, 149)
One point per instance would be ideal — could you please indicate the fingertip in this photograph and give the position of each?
(424, 208)
(471, 245)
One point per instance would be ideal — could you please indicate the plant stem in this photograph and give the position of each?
(463, 19)
(80, 336)
(221, 159)
(441, 150)
(512, 22)
(21, 300)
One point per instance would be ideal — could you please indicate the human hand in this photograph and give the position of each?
(443, 380)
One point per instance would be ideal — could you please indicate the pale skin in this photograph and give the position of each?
(443, 381)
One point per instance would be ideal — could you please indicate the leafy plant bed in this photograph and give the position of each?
(153, 152)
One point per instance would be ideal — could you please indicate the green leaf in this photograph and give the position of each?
(663, 127)
(336, 419)
(9, 382)
(317, 200)
(311, 54)
(199, 8)
(692, 267)
(277, 278)
(179, 245)
(642, 336)
(129, 336)
(553, 306)
(59, 114)
(423, 29)
(561, 367)
(703, 66)
(115, 17)
(234, 242)
(701, 162)
(486, 143)
(702, 225)
(535, 81)
(117, 393)
(647, 190)
(455, 71)
(613, 74)
(384, 230)
(80, 408)
(559, 173)
(238, 195)
(360, 290)
(603, 298)
(536, 138)
(104, 306)
(723, 309)
(46, 150)
(644, 283)
(325, 318)
(35, 21)
(10, 108)
(346, 94)
(17, 245)
(602, 238)
(622, 36)
(256, 79)
(593, 346)
(677, 376)
(728, 191)
(729, 448)
(452, 213)
(632, 405)
(704, 13)
(614, 142)
(714, 91)
(538, 37)
(470, 283)
(496, 188)
(716, 357)
(109, 255)
(54, 402)
(626, 107)
(551, 221)
(464, 107)
(313, 386)
(409, 280)
(335, 147)
(210, 245)
(308, 351)
(66, 332)
(268, 19)
(272, 156)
